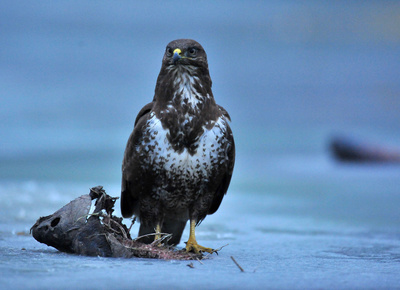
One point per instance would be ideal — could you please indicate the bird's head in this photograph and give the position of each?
(183, 58)
(185, 52)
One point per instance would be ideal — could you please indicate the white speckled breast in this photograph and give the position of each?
(184, 166)
(186, 89)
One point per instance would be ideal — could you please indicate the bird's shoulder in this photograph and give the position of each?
(135, 139)
(144, 112)
(224, 112)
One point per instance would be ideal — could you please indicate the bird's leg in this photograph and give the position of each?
(158, 232)
(192, 245)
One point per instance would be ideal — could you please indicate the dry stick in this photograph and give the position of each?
(143, 236)
(133, 221)
(118, 225)
(237, 264)
(165, 236)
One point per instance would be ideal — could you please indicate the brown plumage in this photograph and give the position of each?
(180, 156)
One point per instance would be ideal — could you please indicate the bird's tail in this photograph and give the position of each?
(169, 226)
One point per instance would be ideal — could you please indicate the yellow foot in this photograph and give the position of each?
(157, 237)
(193, 246)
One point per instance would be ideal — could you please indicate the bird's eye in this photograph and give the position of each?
(168, 51)
(192, 51)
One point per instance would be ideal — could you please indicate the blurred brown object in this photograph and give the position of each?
(350, 150)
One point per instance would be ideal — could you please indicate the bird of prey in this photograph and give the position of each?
(179, 159)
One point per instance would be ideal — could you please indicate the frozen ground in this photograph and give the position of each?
(328, 230)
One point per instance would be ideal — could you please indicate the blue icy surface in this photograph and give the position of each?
(292, 74)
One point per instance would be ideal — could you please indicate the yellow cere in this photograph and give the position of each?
(177, 51)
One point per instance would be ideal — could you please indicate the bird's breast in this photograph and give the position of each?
(186, 162)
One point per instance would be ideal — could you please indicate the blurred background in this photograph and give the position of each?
(73, 76)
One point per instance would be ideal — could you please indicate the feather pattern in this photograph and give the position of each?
(179, 158)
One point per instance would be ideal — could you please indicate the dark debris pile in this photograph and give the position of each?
(73, 229)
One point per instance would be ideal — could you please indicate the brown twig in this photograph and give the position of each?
(165, 236)
(237, 264)
(122, 230)
(132, 223)
(143, 236)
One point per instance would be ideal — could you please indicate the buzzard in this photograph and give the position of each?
(179, 159)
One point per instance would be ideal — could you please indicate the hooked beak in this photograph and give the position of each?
(177, 55)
